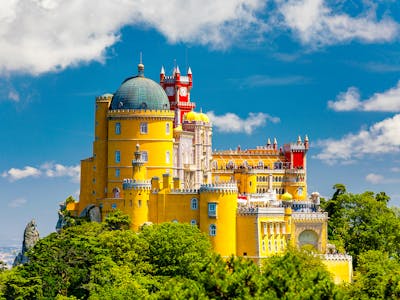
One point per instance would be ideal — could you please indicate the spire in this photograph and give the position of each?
(306, 138)
(299, 140)
(268, 142)
(162, 70)
(275, 144)
(141, 67)
(177, 70)
(189, 71)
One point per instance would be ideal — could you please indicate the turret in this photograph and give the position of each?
(189, 73)
(306, 142)
(162, 74)
(177, 73)
(275, 144)
(269, 142)
(299, 140)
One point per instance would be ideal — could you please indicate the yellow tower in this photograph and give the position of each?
(218, 206)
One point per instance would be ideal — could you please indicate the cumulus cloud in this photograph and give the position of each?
(380, 138)
(38, 36)
(231, 122)
(48, 169)
(15, 174)
(387, 101)
(315, 23)
(18, 202)
(374, 178)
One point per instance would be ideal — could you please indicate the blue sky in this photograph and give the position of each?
(276, 68)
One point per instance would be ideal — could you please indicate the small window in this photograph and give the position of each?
(117, 156)
(175, 221)
(118, 128)
(193, 222)
(263, 246)
(167, 157)
(116, 192)
(143, 128)
(114, 206)
(167, 128)
(212, 209)
(194, 203)
(213, 230)
(117, 172)
(300, 191)
(145, 156)
(139, 203)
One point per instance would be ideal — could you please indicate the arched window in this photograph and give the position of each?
(194, 204)
(167, 128)
(167, 157)
(116, 192)
(214, 165)
(118, 128)
(193, 222)
(260, 164)
(213, 230)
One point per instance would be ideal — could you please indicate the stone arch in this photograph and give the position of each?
(308, 238)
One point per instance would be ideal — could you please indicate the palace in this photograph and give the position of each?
(153, 160)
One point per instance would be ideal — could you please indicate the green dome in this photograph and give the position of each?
(139, 92)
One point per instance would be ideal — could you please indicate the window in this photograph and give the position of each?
(263, 246)
(213, 230)
(175, 221)
(116, 192)
(114, 206)
(194, 203)
(117, 156)
(117, 172)
(193, 222)
(118, 128)
(167, 128)
(300, 191)
(143, 128)
(212, 209)
(139, 203)
(145, 156)
(167, 157)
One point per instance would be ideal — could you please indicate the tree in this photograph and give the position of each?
(296, 275)
(363, 222)
(376, 277)
(117, 220)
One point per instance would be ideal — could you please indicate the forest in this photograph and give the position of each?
(175, 261)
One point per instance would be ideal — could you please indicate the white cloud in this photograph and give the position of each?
(374, 178)
(18, 202)
(231, 122)
(15, 174)
(388, 101)
(316, 24)
(48, 169)
(38, 36)
(380, 138)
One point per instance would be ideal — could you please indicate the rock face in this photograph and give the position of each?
(92, 212)
(31, 236)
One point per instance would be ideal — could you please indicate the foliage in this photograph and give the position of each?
(363, 222)
(297, 275)
(117, 220)
(377, 277)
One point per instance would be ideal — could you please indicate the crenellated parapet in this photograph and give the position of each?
(117, 114)
(309, 216)
(129, 184)
(185, 191)
(336, 257)
(220, 187)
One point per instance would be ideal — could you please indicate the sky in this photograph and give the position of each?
(261, 69)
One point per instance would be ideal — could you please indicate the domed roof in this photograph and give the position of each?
(139, 92)
(204, 118)
(287, 196)
(190, 116)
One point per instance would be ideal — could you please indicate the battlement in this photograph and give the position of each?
(219, 187)
(336, 257)
(104, 97)
(153, 113)
(129, 184)
(184, 191)
(266, 209)
(322, 216)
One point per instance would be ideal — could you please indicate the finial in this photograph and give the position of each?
(189, 71)
(275, 141)
(162, 70)
(140, 66)
(306, 138)
(269, 141)
(177, 70)
(299, 139)
(137, 147)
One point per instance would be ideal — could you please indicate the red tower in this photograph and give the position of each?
(178, 87)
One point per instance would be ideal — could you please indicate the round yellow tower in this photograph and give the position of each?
(218, 206)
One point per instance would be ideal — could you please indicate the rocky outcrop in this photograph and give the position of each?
(92, 212)
(31, 236)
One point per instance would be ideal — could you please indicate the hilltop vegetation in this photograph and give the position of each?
(175, 261)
